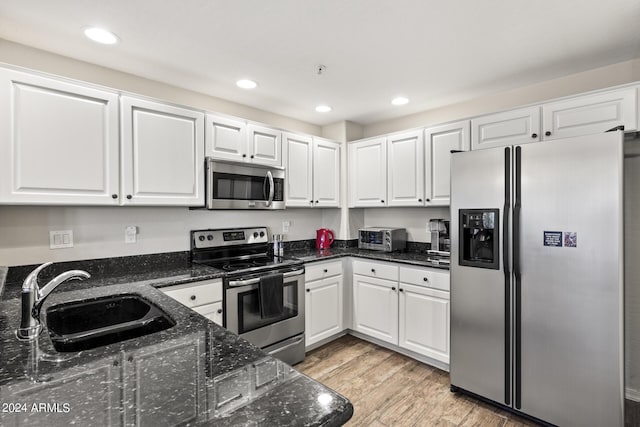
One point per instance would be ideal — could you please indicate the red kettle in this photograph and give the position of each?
(324, 238)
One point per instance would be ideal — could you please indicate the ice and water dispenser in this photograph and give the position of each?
(479, 241)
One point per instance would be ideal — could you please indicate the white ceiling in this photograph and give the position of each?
(436, 52)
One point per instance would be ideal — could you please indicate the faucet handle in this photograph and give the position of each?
(31, 282)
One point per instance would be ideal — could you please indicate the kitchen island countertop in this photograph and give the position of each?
(194, 373)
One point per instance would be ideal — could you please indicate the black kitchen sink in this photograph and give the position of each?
(82, 325)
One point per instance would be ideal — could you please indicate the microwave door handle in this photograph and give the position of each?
(271, 190)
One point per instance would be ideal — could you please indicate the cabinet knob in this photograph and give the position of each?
(252, 156)
(308, 290)
(534, 135)
(425, 279)
(311, 202)
(401, 290)
(114, 196)
(547, 133)
(129, 196)
(326, 271)
(393, 288)
(219, 311)
(381, 201)
(130, 359)
(244, 155)
(373, 270)
(420, 200)
(192, 297)
(317, 201)
(427, 200)
(115, 363)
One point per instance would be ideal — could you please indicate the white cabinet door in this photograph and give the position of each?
(212, 312)
(59, 142)
(368, 173)
(265, 145)
(439, 141)
(326, 173)
(375, 306)
(511, 127)
(163, 154)
(298, 166)
(226, 138)
(590, 114)
(405, 169)
(424, 321)
(323, 309)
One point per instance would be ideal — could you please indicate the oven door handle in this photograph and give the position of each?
(237, 283)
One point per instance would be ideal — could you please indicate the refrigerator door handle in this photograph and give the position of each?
(517, 276)
(507, 275)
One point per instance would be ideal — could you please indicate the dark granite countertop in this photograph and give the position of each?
(411, 258)
(194, 373)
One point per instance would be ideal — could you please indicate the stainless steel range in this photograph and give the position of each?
(264, 295)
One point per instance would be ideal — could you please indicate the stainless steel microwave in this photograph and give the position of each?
(382, 239)
(243, 186)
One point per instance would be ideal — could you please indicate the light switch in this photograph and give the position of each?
(60, 239)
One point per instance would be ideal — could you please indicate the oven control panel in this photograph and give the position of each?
(228, 237)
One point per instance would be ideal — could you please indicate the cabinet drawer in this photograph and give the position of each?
(322, 270)
(197, 293)
(425, 277)
(375, 269)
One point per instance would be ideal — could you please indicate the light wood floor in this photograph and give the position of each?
(389, 389)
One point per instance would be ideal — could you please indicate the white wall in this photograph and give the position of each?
(415, 220)
(632, 275)
(599, 78)
(98, 232)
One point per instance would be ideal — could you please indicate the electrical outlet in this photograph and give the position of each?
(130, 234)
(60, 239)
(285, 226)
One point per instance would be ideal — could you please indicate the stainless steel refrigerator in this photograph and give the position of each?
(537, 278)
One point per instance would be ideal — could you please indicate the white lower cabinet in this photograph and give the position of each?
(203, 297)
(323, 301)
(424, 321)
(376, 308)
(409, 308)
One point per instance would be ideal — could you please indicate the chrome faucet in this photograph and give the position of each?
(33, 297)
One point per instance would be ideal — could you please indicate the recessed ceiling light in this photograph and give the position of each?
(323, 108)
(246, 84)
(401, 100)
(100, 35)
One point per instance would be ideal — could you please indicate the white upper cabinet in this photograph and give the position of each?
(368, 173)
(511, 127)
(326, 173)
(590, 114)
(163, 154)
(226, 138)
(264, 145)
(439, 141)
(235, 140)
(58, 142)
(405, 176)
(313, 171)
(299, 170)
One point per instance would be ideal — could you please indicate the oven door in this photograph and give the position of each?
(243, 310)
(240, 186)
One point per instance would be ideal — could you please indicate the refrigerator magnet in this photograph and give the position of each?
(570, 239)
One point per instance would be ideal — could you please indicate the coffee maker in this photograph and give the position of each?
(440, 242)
